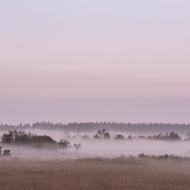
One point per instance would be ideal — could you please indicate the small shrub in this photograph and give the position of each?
(119, 137)
(6, 152)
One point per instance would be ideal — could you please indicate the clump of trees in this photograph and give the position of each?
(64, 145)
(21, 137)
(102, 134)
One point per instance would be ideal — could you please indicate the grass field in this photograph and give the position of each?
(93, 173)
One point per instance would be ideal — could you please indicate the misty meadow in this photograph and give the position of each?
(121, 139)
(39, 157)
(94, 95)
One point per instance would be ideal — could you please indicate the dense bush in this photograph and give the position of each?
(119, 137)
(23, 137)
(6, 152)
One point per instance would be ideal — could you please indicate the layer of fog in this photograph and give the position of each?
(103, 148)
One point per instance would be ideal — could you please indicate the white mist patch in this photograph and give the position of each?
(135, 147)
(99, 147)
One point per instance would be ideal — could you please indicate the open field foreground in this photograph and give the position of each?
(94, 173)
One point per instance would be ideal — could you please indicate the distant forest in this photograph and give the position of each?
(111, 126)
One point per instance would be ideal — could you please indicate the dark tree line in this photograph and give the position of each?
(167, 136)
(91, 126)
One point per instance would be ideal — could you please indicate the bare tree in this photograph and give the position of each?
(77, 146)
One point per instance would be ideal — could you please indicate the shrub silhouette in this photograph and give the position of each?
(119, 137)
(6, 152)
(129, 137)
(85, 137)
(97, 137)
(106, 135)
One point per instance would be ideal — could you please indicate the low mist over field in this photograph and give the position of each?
(104, 159)
(94, 95)
(101, 143)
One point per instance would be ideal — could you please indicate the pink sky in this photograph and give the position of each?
(71, 61)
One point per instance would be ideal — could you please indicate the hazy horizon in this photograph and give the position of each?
(83, 61)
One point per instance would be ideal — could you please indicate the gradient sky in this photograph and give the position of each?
(103, 60)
